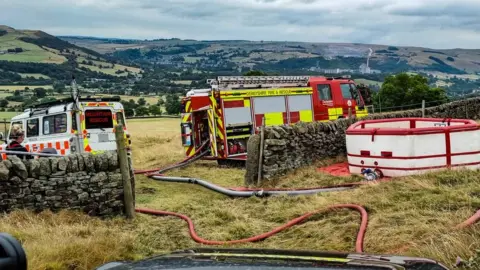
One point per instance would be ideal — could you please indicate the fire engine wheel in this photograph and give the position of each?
(229, 163)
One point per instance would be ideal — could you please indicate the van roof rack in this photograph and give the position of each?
(70, 99)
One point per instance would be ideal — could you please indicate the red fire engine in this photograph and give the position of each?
(234, 107)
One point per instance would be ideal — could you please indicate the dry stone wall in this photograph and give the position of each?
(86, 182)
(289, 147)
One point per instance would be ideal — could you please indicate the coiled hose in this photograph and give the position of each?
(358, 242)
(155, 174)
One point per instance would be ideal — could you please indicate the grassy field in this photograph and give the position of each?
(151, 100)
(31, 53)
(190, 59)
(35, 75)
(109, 70)
(22, 87)
(368, 82)
(7, 115)
(410, 216)
(184, 82)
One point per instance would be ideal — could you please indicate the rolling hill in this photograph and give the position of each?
(275, 56)
(35, 57)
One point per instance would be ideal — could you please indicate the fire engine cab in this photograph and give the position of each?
(71, 125)
(234, 107)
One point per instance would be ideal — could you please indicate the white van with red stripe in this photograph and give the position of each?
(54, 125)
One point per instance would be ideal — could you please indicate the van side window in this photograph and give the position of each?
(324, 92)
(33, 129)
(55, 124)
(346, 93)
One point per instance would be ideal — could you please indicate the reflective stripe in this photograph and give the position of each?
(189, 150)
(334, 113)
(306, 116)
(246, 102)
(62, 147)
(186, 117)
(211, 131)
(267, 92)
(188, 106)
(274, 118)
(361, 113)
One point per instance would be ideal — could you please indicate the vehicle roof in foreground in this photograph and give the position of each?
(243, 259)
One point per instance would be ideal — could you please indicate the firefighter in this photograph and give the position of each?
(18, 135)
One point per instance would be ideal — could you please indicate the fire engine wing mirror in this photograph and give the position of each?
(1, 136)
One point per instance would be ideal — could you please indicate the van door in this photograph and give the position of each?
(98, 131)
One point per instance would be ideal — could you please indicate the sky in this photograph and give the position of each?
(439, 24)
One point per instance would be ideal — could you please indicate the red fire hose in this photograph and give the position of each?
(193, 234)
(472, 220)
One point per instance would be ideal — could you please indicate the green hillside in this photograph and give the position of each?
(28, 46)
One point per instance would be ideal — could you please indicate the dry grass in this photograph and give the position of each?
(412, 215)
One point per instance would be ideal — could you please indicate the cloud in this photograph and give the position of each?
(427, 23)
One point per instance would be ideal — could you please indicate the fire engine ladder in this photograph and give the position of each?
(246, 82)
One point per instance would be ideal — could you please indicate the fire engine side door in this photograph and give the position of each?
(212, 130)
(348, 98)
(98, 129)
(324, 109)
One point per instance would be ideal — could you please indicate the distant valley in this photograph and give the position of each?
(33, 62)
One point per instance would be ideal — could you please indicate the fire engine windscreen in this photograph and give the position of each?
(95, 119)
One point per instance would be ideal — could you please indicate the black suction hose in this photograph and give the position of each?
(234, 193)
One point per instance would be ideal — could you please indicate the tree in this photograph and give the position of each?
(173, 105)
(141, 111)
(3, 103)
(255, 73)
(161, 102)
(129, 112)
(142, 101)
(404, 91)
(59, 87)
(16, 93)
(40, 92)
(155, 110)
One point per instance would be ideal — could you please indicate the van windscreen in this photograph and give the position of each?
(98, 119)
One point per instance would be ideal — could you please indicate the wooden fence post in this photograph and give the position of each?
(125, 170)
(260, 156)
